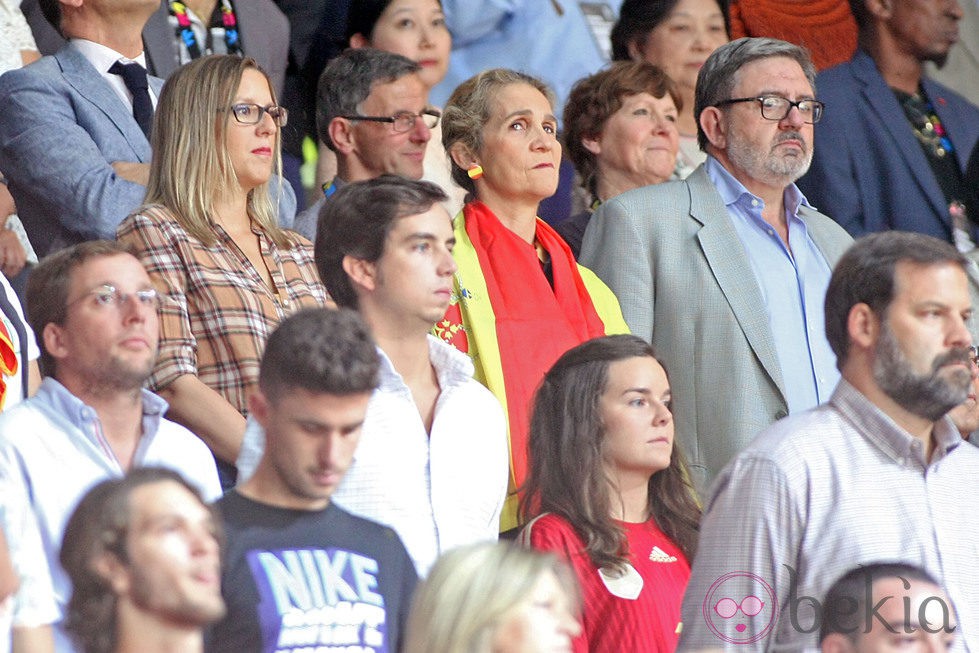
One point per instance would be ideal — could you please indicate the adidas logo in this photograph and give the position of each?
(659, 555)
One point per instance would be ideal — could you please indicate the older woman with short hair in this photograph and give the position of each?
(520, 300)
(620, 128)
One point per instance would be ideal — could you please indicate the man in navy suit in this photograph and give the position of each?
(892, 146)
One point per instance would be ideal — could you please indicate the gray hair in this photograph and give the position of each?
(719, 75)
(349, 79)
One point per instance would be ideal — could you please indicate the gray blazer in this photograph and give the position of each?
(61, 128)
(671, 255)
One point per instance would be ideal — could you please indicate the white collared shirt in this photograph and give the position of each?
(102, 58)
(438, 491)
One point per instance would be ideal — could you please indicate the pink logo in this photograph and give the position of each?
(740, 608)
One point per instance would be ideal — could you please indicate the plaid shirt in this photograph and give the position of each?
(217, 311)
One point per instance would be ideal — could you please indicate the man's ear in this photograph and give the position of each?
(362, 273)
(863, 326)
(879, 9)
(116, 574)
(258, 407)
(462, 155)
(715, 128)
(342, 134)
(53, 336)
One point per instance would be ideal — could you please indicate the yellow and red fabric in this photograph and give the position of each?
(8, 361)
(513, 324)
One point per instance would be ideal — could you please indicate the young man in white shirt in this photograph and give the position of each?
(432, 461)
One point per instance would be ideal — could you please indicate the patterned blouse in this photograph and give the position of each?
(217, 310)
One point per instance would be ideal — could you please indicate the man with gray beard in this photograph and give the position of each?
(877, 473)
(725, 272)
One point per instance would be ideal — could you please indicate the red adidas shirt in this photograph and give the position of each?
(639, 613)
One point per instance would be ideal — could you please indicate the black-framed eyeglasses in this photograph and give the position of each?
(776, 107)
(249, 113)
(404, 121)
(109, 296)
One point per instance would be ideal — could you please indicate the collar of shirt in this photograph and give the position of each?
(452, 367)
(883, 432)
(56, 398)
(102, 58)
(734, 193)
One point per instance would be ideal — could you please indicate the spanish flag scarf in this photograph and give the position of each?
(535, 323)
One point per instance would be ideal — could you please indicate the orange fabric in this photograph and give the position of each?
(535, 324)
(824, 27)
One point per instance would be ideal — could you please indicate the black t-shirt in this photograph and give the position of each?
(297, 580)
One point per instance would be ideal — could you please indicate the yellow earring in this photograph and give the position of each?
(475, 172)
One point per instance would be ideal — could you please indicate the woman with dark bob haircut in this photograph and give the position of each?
(612, 493)
(620, 131)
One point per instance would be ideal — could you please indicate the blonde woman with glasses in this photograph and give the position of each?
(208, 236)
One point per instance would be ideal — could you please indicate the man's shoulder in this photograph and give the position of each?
(23, 423)
(825, 230)
(41, 71)
(253, 523)
(797, 440)
(665, 195)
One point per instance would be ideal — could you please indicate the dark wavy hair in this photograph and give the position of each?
(567, 442)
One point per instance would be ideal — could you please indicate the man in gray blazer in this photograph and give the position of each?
(725, 272)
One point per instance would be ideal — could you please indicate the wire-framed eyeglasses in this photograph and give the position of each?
(249, 113)
(776, 107)
(403, 121)
(108, 296)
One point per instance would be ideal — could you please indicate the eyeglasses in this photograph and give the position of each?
(404, 121)
(249, 113)
(750, 606)
(774, 107)
(109, 296)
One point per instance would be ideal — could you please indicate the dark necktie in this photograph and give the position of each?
(134, 76)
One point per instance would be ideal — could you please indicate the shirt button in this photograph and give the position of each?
(754, 202)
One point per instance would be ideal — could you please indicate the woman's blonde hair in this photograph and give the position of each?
(468, 110)
(458, 608)
(191, 165)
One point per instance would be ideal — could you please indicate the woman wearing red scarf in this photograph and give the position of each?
(520, 300)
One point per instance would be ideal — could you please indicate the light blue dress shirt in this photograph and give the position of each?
(793, 285)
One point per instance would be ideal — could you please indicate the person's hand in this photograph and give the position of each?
(12, 254)
(138, 173)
